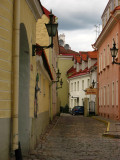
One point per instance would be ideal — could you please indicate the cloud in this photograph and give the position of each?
(77, 20)
(76, 14)
(80, 40)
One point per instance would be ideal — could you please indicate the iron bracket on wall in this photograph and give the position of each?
(39, 48)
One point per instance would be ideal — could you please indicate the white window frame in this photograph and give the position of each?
(88, 83)
(101, 98)
(108, 94)
(77, 85)
(82, 84)
(117, 93)
(104, 95)
(108, 55)
(99, 63)
(113, 93)
(104, 59)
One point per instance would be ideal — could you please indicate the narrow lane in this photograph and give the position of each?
(78, 138)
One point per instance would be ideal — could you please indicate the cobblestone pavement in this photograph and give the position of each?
(77, 138)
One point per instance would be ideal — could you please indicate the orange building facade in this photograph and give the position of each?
(109, 73)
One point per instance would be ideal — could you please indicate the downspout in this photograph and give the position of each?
(15, 67)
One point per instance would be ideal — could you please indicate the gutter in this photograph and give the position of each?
(15, 77)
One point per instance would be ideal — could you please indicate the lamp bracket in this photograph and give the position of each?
(114, 62)
(39, 48)
(58, 87)
(55, 81)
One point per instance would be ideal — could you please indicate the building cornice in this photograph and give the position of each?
(81, 76)
(106, 30)
(36, 8)
(65, 57)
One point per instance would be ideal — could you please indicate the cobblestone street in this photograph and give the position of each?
(77, 138)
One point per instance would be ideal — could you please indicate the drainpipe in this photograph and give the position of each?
(15, 67)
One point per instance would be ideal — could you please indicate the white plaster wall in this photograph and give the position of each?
(79, 92)
(93, 77)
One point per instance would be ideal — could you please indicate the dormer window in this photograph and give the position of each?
(83, 65)
(89, 63)
(77, 68)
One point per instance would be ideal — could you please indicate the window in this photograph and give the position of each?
(83, 84)
(75, 102)
(78, 86)
(99, 63)
(113, 93)
(108, 94)
(104, 95)
(89, 63)
(101, 96)
(75, 86)
(117, 93)
(71, 87)
(83, 65)
(88, 83)
(104, 58)
(108, 54)
(71, 103)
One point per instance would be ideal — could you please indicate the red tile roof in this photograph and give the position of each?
(92, 54)
(67, 52)
(71, 70)
(89, 54)
(78, 59)
(46, 12)
(84, 56)
(75, 74)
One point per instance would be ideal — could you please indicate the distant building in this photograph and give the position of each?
(64, 63)
(80, 77)
(62, 41)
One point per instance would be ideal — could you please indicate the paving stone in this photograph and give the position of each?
(76, 138)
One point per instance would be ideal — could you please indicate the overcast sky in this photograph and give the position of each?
(77, 20)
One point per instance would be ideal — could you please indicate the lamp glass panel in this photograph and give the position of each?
(54, 29)
(49, 29)
(113, 52)
(58, 74)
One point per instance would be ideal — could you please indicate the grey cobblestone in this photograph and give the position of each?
(77, 138)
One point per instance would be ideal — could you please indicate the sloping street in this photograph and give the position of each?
(77, 138)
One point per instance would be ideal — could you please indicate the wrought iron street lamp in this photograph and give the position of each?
(93, 83)
(51, 29)
(114, 52)
(58, 74)
(61, 83)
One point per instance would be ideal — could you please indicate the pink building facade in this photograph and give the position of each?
(109, 73)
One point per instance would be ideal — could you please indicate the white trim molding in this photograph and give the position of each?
(36, 8)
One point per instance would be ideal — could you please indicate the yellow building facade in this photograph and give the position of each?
(43, 39)
(64, 64)
(18, 72)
